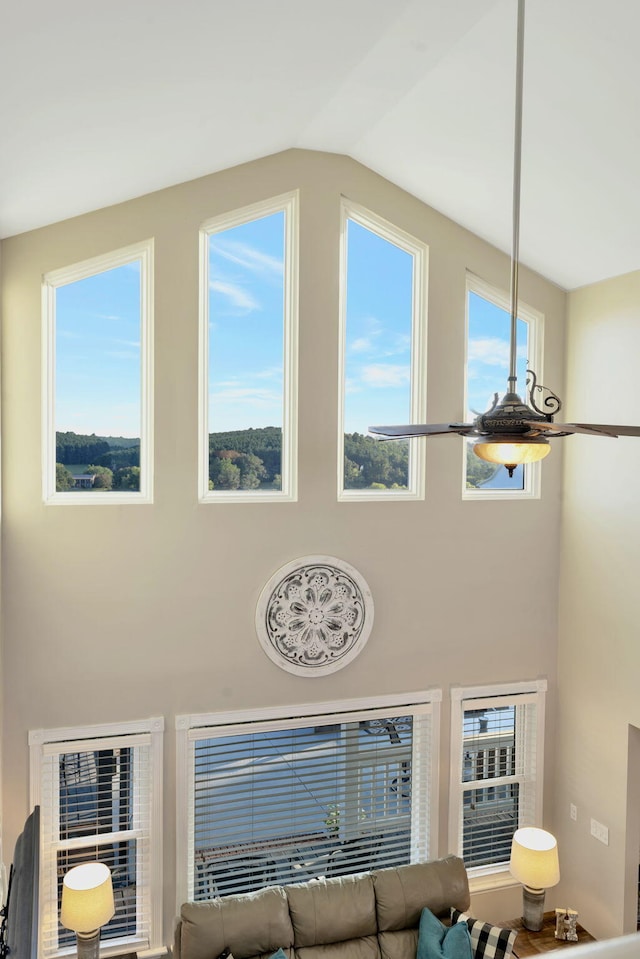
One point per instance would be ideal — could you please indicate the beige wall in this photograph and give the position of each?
(125, 612)
(599, 651)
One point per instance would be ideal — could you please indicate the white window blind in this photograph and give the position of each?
(325, 795)
(496, 773)
(98, 803)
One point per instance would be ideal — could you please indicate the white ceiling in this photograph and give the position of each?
(100, 102)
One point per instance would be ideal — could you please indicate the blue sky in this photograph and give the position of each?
(98, 337)
(98, 353)
(488, 353)
(246, 304)
(378, 331)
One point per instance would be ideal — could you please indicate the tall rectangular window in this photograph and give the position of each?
(97, 394)
(248, 349)
(487, 369)
(331, 793)
(383, 362)
(497, 739)
(99, 790)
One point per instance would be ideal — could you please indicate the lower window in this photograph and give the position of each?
(96, 794)
(497, 762)
(336, 791)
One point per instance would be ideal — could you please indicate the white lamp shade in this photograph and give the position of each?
(534, 858)
(87, 897)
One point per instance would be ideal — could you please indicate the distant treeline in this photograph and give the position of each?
(112, 451)
(252, 459)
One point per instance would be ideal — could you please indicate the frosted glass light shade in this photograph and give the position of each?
(534, 858)
(512, 454)
(87, 897)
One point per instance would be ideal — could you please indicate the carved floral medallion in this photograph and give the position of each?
(314, 615)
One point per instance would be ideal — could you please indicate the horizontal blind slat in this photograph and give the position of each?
(287, 804)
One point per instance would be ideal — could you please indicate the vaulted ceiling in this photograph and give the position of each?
(101, 102)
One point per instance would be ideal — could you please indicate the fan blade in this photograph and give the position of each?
(611, 430)
(590, 429)
(421, 429)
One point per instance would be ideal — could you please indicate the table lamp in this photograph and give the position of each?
(534, 863)
(87, 904)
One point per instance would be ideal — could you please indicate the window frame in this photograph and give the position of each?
(535, 323)
(349, 210)
(464, 697)
(44, 743)
(144, 252)
(289, 204)
(191, 728)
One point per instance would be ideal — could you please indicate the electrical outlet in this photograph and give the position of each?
(600, 832)
(573, 811)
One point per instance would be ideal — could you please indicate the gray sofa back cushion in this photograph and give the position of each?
(371, 916)
(323, 912)
(248, 925)
(402, 893)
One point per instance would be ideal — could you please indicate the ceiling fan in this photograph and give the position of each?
(512, 432)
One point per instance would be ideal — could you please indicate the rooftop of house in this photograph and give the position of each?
(104, 102)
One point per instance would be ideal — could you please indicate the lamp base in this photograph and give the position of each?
(532, 908)
(88, 944)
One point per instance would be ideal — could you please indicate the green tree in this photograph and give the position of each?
(64, 478)
(479, 471)
(103, 476)
(127, 478)
(228, 475)
(79, 447)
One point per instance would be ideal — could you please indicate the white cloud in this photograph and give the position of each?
(246, 256)
(362, 345)
(271, 373)
(238, 297)
(245, 395)
(352, 386)
(490, 350)
(385, 374)
(402, 342)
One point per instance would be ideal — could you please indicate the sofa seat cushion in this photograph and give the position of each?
(401, 893)
(364, 948)
(249, 925)
(335, 911)
(402, 944)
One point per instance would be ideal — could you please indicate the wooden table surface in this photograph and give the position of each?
(533, 943)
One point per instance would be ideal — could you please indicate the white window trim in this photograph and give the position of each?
(190, 728)
(420, 253)
(142, 251)
(289, 204)
(535, 320)
(130, 733)
(483, 878)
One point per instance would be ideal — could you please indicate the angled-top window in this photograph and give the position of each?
(249, 353)
(383, 320)
(97, 395)
(488, 335)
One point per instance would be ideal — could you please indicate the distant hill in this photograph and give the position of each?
(121, 442)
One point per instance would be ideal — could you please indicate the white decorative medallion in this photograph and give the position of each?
(314, 615)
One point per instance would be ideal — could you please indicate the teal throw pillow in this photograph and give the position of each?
(278, 954)
(436, 941)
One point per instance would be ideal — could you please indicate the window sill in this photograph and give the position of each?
(486, 882)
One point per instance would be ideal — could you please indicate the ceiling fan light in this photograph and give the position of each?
(512, 454)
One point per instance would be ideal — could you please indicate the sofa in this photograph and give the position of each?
(369, 916)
